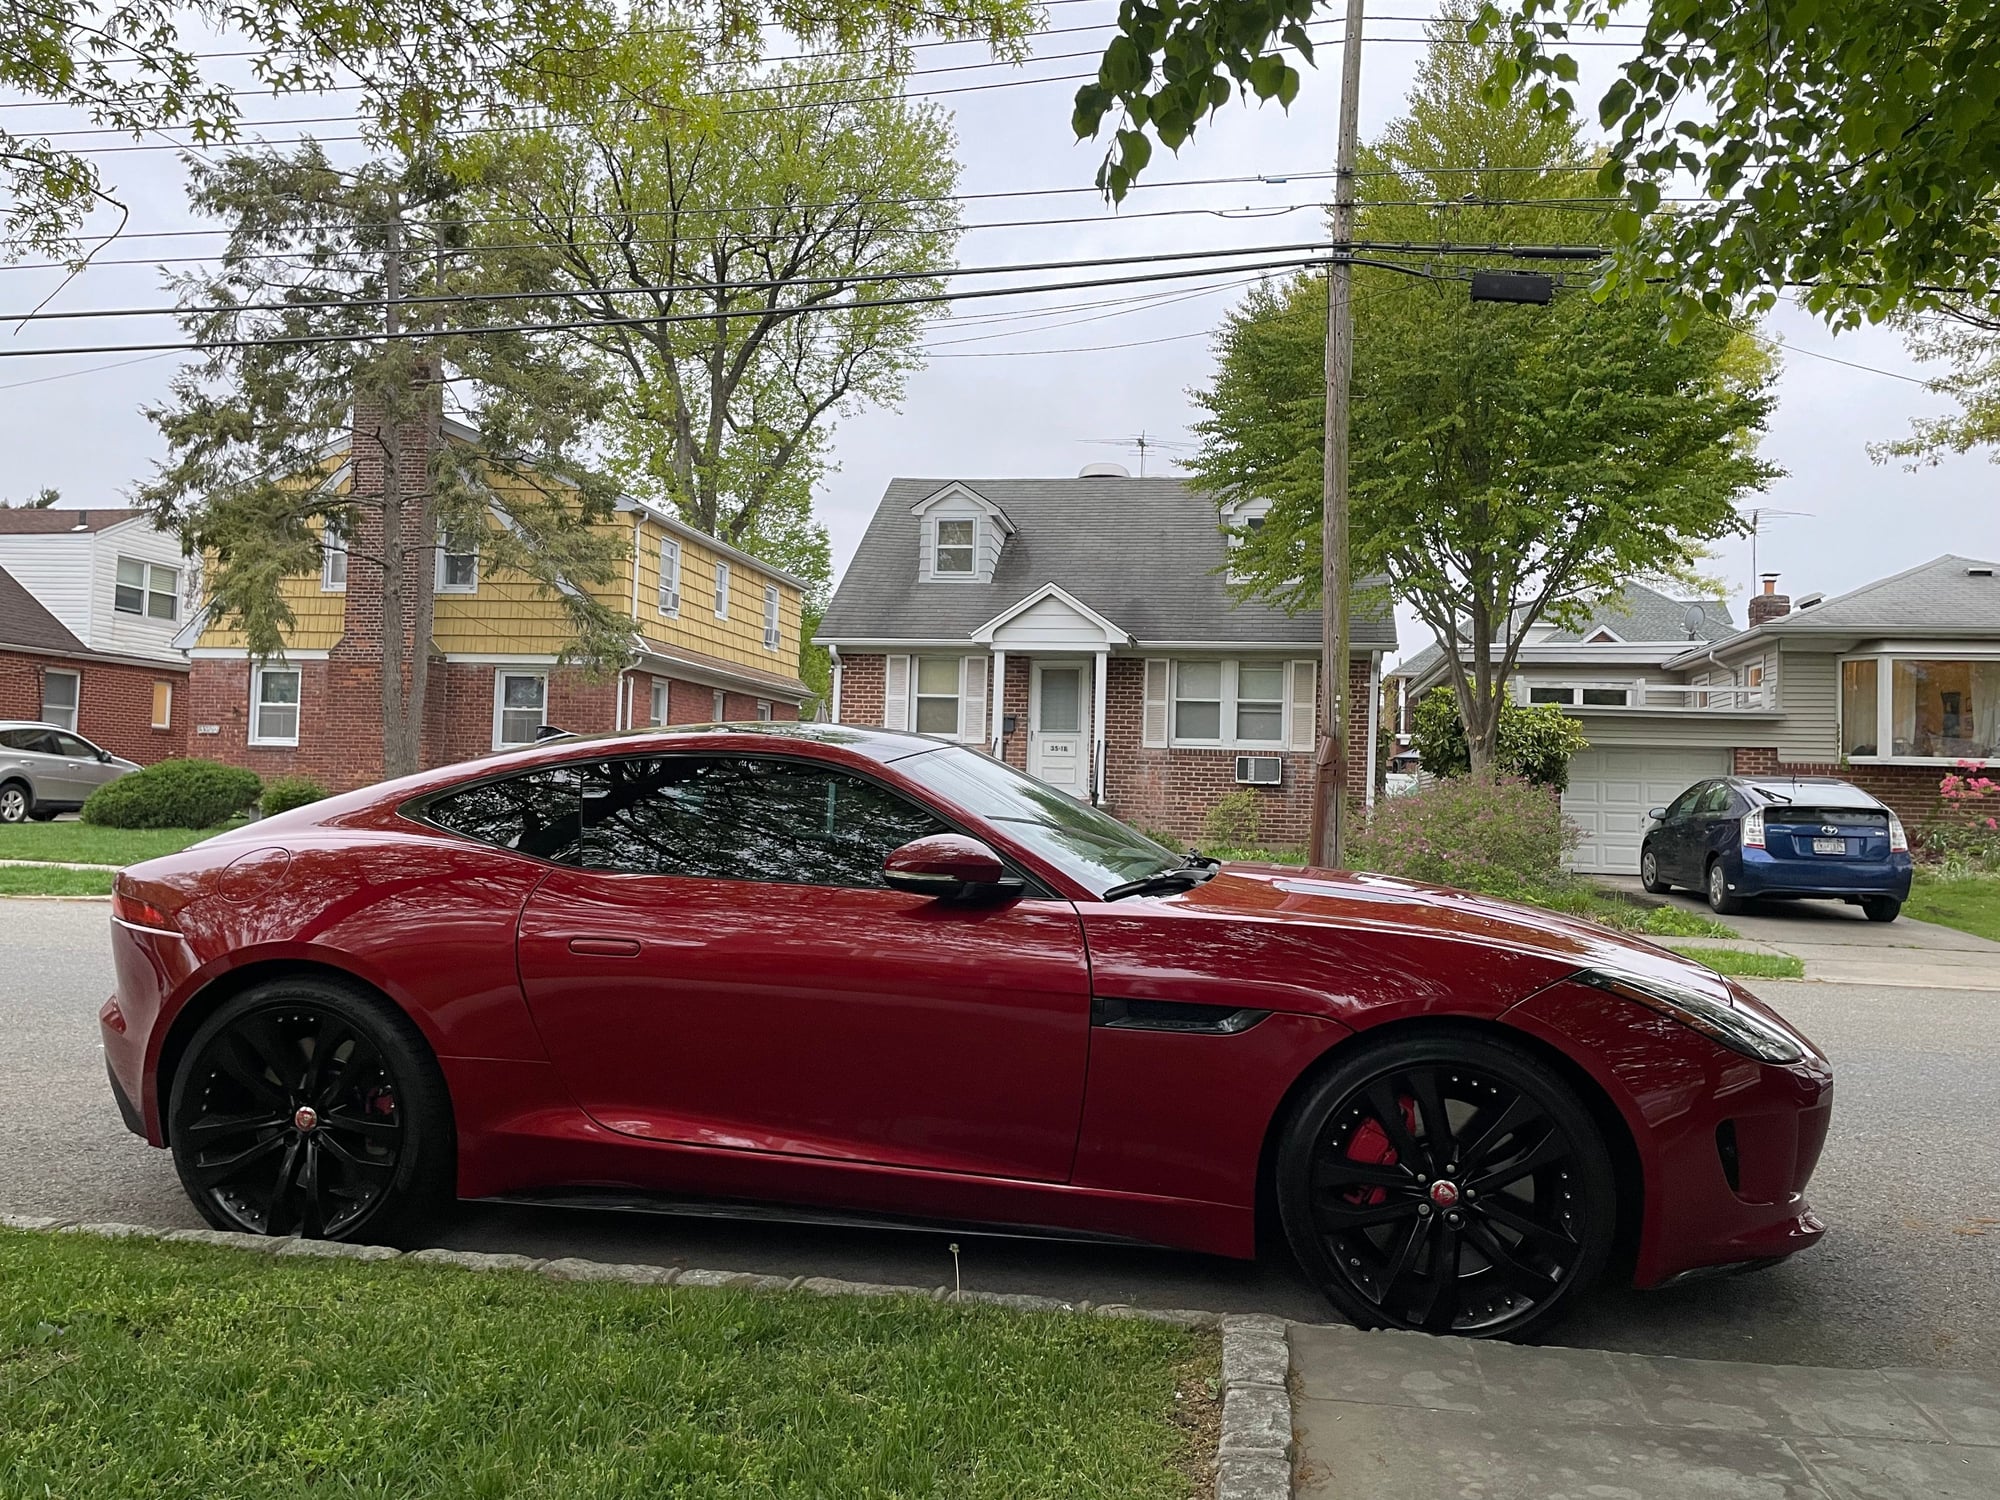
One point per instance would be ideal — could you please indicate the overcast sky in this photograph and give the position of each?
(987, 404)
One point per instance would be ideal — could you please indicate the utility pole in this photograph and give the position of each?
(1333, 754)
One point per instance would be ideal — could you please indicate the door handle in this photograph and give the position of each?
(605, 947)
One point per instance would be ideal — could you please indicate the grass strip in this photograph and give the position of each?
(53, 880)
(89, 844)
(140, 1368)
(1747, 965)
(1970, 903)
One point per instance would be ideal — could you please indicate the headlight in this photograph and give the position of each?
(1741, 1031)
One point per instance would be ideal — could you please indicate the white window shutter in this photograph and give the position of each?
(1154, 730)
(1305, 706)
(972, 701)
(896, 692)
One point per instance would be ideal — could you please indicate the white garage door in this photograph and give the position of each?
(1611, 790)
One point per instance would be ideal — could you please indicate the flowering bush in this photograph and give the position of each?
(1493, 833)
(1968, 790)
(1968, 839)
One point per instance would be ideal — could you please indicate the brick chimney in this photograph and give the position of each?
(1770, 604)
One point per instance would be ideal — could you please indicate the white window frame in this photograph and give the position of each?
(445, 553)
(1885, 704)
(163, 720)
(1231, 668)
(500, 710)
(721, 706)
(149, 588)
(258, 674)
(774, 634)
(957, 694)
(332, 561)
(661, 700)
(721, 589)
(763, 711)
(75, 706)
(971, 549)
(670, 577)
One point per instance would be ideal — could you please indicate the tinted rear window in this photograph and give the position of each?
(538, 813)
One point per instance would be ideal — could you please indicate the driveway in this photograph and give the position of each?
(1841, 946)
(1910, 1184)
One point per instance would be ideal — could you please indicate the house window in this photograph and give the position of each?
(1859, 719)
(149, 589)
(332, 560)
(659, 701)
(163, 705)
(1229, 703)
(1198, 701)
(722, 591)
(937, 694)
(520, 707)
(721, 705)
(457, 567)
(1260, 703)
(60, 692)
(763, 711)
(773, 637)
(670, 576)
(1606, 697)
(274, 706)
(1562, 695)
(951, 557)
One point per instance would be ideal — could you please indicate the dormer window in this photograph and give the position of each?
(957, 542)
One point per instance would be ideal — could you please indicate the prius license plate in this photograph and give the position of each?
(1829, 846)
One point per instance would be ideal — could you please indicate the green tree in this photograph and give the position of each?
(1509, 464)
(1970, 346)
(1535, 741)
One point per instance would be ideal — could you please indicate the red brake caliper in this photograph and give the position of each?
(1370, 1144)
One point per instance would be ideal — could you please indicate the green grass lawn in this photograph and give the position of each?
(138, 1368)
(1747, 965)
(53, 880)
(86, 843)
(1971, 903)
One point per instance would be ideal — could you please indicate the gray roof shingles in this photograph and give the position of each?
(25, 520)
(1636, 613)
(1942, 595)
(1146, 554)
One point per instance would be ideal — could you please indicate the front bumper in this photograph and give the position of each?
(1725, 1144)
(1760, 874)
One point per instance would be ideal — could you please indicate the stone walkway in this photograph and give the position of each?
(1400, 1416)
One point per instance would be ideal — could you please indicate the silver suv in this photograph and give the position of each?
(45, 770)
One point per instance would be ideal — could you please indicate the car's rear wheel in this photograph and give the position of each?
(1450, 1183)
(1721, 900)
(16, 803)
(1649, 874)
(304, 1107)
(1881, 908)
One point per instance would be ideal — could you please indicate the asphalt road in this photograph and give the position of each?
(1909, 1274)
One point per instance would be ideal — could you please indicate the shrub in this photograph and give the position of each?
(1534, 742)
(1232, 823)
(1494, 833)
(173, 794)
(288, 792)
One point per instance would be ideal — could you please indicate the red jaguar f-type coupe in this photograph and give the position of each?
(841, 970)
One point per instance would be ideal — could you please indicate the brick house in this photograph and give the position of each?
(715, 636)
(1888, 687)
(129, 705)
(1082, 630)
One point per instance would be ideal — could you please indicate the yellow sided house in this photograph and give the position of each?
(715, 636)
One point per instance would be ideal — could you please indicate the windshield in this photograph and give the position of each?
(1091, 847)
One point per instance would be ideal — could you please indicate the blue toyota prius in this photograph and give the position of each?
(1739, 838)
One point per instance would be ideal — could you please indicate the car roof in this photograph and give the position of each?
(1816, 791)
(876, 744)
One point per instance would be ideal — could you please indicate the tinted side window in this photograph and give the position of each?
(1685, 802)
(740, 818)
(18, 739)
(76, 749)
(537, 813)
(1716, 801)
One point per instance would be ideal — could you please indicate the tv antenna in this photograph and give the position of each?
(1758, 517)
(1142, 444)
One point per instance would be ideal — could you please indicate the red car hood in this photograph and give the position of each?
(1353, 900)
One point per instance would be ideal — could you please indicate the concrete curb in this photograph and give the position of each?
(1255, 1451)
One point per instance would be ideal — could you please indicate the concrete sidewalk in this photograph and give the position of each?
(1403, 1416)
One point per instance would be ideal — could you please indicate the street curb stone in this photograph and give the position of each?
(108, 1231)
(1255, 1449)
(474, 1260)
(256, 1244)
(334, 1250)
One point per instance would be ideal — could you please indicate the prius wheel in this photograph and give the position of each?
(1649, 874)
(1721, 900)
(306, 1108)
(1450, 1184)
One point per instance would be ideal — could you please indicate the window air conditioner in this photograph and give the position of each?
(1260, 770)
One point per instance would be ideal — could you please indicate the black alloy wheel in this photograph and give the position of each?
(1449, 1183)
(303, 1108)
(1649, 873)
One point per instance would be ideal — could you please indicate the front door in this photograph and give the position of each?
(723, 967)
(1059, 727)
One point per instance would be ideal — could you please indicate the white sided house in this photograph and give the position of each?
(113, 579)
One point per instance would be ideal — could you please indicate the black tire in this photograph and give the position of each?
(267, 1143)
(1881, 908)
(1649, 872)
(1720, 900)
(1532, 1193)
(17, 803)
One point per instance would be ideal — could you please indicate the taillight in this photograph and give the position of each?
(129, 908)
(1753, 828)
(1899, 841)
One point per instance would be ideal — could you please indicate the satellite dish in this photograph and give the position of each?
(1694, 617)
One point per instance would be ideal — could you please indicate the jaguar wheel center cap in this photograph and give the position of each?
(1444, 1194)
(305, 1117)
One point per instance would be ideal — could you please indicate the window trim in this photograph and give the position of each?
(669, 584)
(444, 555)
(147, 591)
(774, 624)
(917, 695)
(76, 697)
(1229, 702)
(660, 701)
(500, 676)
(258, 672)
(724, 578)
(160, 720)
(331, 546)
(720, 705)
(969, 573)
(1885, 705)
(764, 711)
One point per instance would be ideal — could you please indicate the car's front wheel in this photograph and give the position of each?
(1881, 908)
(16, 803)
(305, 1107)
(1649, 873)
(1721, 900)
(1450, 1183)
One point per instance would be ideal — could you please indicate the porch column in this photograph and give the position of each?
(997, 723)
(1097, 730)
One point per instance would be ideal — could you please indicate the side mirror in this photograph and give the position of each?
(104, 757)
(950, 867)
(1657, 814)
